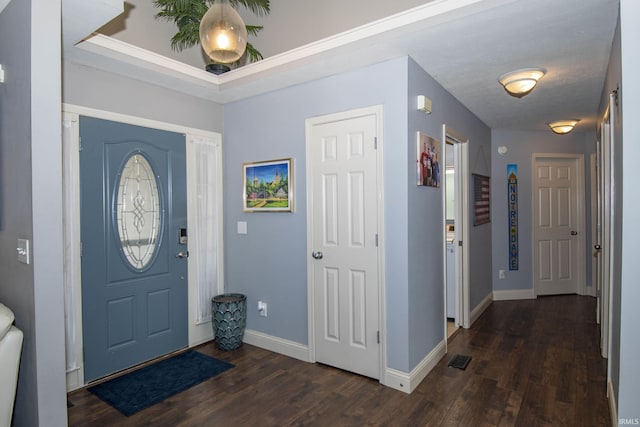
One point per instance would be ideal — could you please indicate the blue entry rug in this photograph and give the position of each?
(147, 386)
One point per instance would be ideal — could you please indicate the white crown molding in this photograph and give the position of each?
(374, 42)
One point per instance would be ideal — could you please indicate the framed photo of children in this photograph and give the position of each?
(268, 186)
(428, 161)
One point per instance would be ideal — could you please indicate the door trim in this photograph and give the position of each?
(607, 210)
(593, 190)
(377, 111)
(578, 159)
(197, 334)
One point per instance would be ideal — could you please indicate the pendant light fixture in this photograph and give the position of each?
(520, 82)
(223, 34)
(562, 127)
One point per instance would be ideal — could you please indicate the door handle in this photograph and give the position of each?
(597, 247)
(182, 254)
(574, 233)
(317, 255)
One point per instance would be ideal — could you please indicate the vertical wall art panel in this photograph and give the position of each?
(512, 198)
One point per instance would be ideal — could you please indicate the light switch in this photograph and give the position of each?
(242, 227)
(23, 251)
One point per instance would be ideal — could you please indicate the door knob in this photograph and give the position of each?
(597, 247)
(574, 233)
(317, 255)
(182, 254)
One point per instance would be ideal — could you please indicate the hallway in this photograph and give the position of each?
(535, 362)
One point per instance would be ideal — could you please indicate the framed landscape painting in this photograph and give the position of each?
(268, 186)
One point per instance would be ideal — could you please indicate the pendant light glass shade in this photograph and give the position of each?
(520, 82)
(223, 34)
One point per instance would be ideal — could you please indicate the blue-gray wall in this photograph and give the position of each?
(94, 88)
(521, 145)
(31, 203)
(628, 388)
(425, 254)
(269, 263)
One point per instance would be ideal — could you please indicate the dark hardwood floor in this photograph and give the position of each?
(535, 362)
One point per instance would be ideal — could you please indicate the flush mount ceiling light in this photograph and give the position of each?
(562, 127)
(223, 34)
(520, 82)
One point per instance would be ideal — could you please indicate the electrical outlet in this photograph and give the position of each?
(23, 251)
(262, 308)
(500, 274)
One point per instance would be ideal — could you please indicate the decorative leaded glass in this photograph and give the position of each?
(138, 211)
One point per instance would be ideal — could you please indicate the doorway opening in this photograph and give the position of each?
(450, 234)
(455, 207)
(204, 210)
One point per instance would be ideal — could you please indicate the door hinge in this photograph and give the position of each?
(378, 337)
(599, 293)
(80, 144)
(80, 249)
(376, 240)
(375, 142)
(459, 242)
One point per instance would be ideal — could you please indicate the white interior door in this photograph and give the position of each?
(557, 225)
(343, 220)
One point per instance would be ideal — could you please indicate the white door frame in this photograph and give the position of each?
(461, 166)
(309, 123)
(198, 332)
(580, 216)
(593, 175)
(607, 212)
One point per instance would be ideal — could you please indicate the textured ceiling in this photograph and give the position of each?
(571, 39)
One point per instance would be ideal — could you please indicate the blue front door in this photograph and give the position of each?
(133, 232)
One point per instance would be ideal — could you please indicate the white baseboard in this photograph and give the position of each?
(513, 294)
(590, 290)
(75, 379)
(408, 382)
(277, 345)
(200, 334)
(480, 308)
(612, 403)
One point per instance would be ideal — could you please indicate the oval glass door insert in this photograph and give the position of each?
(138, 213)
